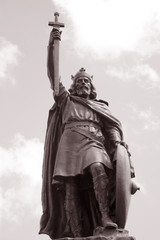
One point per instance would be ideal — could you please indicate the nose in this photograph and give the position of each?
(83, 81)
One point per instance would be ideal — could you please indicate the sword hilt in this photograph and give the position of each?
(56, 23)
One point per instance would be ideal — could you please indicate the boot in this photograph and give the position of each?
(73, 211)
(100, 183)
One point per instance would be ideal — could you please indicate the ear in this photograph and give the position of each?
(72, 77)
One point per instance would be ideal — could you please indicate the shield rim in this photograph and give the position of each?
(123, 185)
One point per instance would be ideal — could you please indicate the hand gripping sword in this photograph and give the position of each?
(57, 25)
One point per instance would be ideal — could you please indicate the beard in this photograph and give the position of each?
(83, 91)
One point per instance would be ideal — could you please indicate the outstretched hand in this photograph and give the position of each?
(54, 35)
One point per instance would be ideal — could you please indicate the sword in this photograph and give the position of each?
(57, 25)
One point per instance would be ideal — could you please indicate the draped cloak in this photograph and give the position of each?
(53, 220)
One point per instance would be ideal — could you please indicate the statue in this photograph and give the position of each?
(80, 170)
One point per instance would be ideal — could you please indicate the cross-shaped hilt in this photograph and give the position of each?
(56, 23)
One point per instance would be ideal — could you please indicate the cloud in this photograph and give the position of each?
(101, 26)
(124, 33)
(9, 53)
(150, 121)
(149, 43)
(142, 73)
(20, 176)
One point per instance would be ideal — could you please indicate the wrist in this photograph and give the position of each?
(50, 46)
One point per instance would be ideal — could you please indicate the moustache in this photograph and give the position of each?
(82, 87)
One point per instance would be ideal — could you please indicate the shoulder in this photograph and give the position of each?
(102, 101)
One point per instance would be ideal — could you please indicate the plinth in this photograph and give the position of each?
(101, 233)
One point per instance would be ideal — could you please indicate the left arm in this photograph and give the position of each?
(113, 136)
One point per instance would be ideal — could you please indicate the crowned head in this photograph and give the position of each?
(82, 73)
(82, 85)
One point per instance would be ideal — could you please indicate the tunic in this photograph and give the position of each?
(77, 150)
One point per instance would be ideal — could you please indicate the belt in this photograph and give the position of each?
(88, 129)
(86, 125)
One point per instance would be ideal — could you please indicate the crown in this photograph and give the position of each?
(81, 73)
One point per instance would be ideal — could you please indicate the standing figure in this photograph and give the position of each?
(78, 193)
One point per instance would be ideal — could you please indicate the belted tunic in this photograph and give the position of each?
(82, 141)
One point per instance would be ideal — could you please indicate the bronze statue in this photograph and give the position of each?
(83, 141)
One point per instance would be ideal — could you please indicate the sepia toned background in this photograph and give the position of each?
(118, 42)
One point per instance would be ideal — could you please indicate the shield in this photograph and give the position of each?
(123, 185)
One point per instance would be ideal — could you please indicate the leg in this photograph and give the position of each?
(100, 183)
(73, 209)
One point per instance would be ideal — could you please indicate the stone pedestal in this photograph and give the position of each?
(101, 233)
(112, 234)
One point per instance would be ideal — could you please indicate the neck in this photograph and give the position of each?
(85, 96)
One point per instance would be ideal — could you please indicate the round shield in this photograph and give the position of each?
(123, 185)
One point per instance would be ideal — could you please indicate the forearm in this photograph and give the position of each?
(53, 59)
(50, 64)
(114, 134)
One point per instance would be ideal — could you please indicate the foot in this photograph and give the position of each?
(111, 225)
(108, 223)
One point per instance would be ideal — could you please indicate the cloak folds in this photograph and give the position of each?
(53, 220)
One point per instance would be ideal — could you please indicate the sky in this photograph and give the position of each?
(116, 41)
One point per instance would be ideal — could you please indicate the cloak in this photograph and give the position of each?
(53, 220)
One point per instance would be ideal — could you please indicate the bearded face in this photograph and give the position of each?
(83, 86)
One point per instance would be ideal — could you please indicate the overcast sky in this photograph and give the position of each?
(118, 42)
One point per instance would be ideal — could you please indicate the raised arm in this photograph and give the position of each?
(54, 35)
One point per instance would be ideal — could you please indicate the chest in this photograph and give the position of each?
(78, 112)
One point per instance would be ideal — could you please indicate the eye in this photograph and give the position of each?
(86, 80)
(79, 80)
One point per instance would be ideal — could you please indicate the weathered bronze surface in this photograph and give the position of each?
(87, 169)
(56, 25)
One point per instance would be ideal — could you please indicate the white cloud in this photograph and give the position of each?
(124, 33)
(150, 120)
(9, 53)
(149, 43)
(20, 175)
(142, 73)
(112, 26)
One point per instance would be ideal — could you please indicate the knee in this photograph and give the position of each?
(97, 169)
